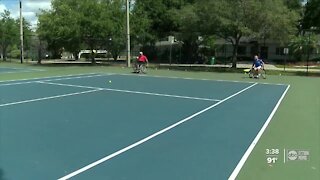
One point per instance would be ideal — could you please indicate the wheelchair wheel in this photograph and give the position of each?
(250, 73)
(135, 68)
(263, 74)
(143, 68)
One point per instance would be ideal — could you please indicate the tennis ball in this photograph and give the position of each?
(110, 81)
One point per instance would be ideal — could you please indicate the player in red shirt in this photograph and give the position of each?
(142, 58)
(142, 61)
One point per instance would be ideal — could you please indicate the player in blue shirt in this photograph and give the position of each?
(257, 65)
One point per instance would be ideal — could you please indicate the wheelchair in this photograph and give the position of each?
(261, 73)
(140, 67)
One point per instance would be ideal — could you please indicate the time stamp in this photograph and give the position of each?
(273, 155)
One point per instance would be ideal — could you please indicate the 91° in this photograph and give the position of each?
(272, 160)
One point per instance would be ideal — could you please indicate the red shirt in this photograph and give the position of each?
(142, 58)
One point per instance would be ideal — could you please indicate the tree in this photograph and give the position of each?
(188, 32)
(74, 24)
(9, 32)
(279, 21)
(303, 45)
(235, 19)
(293, 4)
(60, 27)
(27, 33)
(158, 19)
(311, 15)
(231, 20)
(158, 14)
(140, 24)
(116, 40)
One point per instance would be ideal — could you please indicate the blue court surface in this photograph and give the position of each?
(131, 127)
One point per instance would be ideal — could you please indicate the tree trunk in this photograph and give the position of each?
(93, 60)
(76, 55)
(4, 53)
(115, 57)
(235, 51)
(39, 53)
(235, 55)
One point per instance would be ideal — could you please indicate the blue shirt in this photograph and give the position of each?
(258, 62)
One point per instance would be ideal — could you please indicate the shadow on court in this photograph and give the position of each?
(2, 174)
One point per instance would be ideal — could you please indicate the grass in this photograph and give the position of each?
(296, 124)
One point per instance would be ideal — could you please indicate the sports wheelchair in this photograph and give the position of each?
(139, 67)
(256, 73)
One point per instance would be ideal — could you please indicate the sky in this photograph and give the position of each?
(29, 8)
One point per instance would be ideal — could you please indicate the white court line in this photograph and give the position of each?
(132, 92)
(78, 77)
(24, 71)
(203, 79)
(18, 83)
(50, 97)
(22, 68)
(47, 77)
(149, 137)
(236, 171)
(45, 80)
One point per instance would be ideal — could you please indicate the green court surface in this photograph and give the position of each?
(71, 122)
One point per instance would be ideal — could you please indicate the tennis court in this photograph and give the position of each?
(113, 126)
